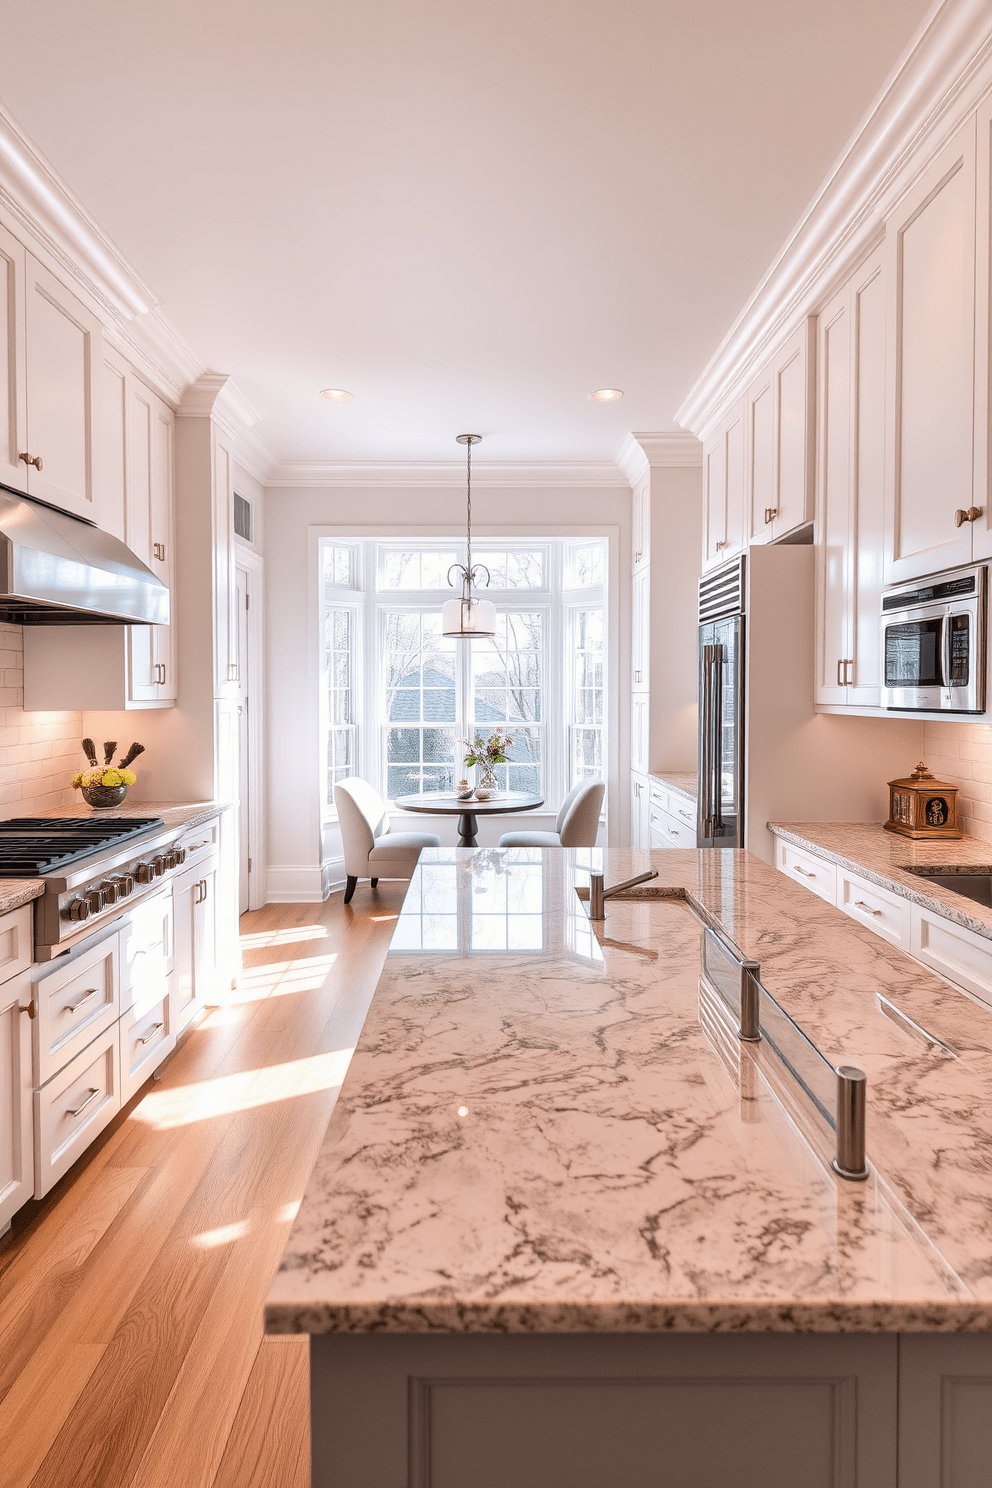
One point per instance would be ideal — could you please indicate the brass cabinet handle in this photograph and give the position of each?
(960, 516)
(88, 996)
(94, 1092)
(158, 550)
(160, 671)
(804, 871)
(34, 460)
(723, 543)
(860, 904)
(771, 512)
(31, 1009)
(147, 1037)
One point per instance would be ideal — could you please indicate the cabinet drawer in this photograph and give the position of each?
(887, 914)
(960, 955)
(16, 941)
(147, 951)
(659, 796)
(200, 841)
(812, 872)
(683, 810)
(146, 1038)
(74, 1107)
(74, 1004)
(669, 831)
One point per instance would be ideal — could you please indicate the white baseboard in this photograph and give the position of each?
(286, 884)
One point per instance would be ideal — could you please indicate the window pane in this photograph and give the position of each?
(585, 565)
(585, 735)
(514, 569)
(415, 568)
(338, 566)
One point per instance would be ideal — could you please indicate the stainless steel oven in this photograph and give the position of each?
(933, 643)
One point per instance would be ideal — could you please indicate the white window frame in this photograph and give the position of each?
(371, 746)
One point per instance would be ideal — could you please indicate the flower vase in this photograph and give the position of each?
(488, 785)
(103, 797)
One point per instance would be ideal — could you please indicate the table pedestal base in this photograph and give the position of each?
(468, 826)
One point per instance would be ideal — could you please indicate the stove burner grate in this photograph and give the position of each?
(33, 845)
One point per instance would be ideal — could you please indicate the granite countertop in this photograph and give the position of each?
(174, 814)
(885, 857)
(540, 1130)
(683, 781)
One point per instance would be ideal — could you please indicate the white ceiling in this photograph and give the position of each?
(468, 214)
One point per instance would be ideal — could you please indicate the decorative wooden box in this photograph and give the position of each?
(921, 806)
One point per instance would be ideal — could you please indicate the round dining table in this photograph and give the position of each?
(437, 803)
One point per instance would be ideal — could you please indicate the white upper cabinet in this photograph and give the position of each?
(13, 421)
(640, 630)
(724, 481)
(149, 534)
(63, 343)
(780, 441)
(641, 524)
(930, 247)
(225, 588)
(850, 488)
(981, 528)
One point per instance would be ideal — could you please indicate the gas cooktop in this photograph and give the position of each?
(34, 845)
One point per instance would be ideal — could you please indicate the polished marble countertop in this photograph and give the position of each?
(683, 781)
(885, 858)
(540, 1132)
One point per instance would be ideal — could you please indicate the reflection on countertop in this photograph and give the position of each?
(540, 1132)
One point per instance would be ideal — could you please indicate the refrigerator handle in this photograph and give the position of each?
(716, 746)
(945, 649)
(705, 740)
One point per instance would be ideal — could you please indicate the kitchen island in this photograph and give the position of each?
(563, 1221)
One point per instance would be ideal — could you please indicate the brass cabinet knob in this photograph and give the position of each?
(34, 460)
(771, 512)
(971, 515)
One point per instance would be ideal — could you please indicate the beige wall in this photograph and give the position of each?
(961, 753)
(39, 752)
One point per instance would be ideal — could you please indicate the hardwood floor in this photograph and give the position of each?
(131, 1346)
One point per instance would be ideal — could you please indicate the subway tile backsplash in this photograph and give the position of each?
(39, 752)
(962, 754)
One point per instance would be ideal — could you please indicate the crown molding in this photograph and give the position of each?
(937, 83)
(36, 196)
(254, 454)
(306, 473)
(642, 450)
(216, 396)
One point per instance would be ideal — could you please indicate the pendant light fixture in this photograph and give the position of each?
(468, 617)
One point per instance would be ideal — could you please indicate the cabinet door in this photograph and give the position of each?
(736, 445)
(16, 1128)
(13, 423)
(982, 528)
(714, 500)
(761, 457)
(640, 809)
(793, 428)
(945, 1410)
(640, 634)
(163, 543)
(195, 907)
(867, 536)
(930, 246)
(142, 677)
(64, 346)
(834, 555)
(639, 732)
(225, 599)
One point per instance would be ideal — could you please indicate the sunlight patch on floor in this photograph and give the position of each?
(224, 1095)
(292, 936)
(223, 1235)
(277, 978)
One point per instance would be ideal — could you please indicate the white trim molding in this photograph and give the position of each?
(937, 83)
(294, 884)
(215, 395)
(640, 451)
(316, 473)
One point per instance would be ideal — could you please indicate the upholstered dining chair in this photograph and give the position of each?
(371, 850)
(576, 824)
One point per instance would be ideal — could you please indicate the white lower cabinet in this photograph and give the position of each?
(885, 913)
(673, 819)
(956, 953)
(812, 872)
(196, 974)
(640, 820)
(16, 1126)
(147, 1035)
(74, 1107)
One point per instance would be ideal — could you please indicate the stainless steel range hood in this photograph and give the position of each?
(58, 570)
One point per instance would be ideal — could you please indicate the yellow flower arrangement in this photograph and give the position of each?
(101, 776)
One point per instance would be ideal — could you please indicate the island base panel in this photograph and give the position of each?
(584, 1411)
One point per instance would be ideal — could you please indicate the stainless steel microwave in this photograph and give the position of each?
(933, 643)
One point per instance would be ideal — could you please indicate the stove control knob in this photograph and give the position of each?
(144, 873)
(180, 856)
(160, 865)
(125, 885)
(79, 910)
(94, 898)
(110, 891)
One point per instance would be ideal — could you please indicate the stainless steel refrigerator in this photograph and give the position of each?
(720, 820)
(765, 752)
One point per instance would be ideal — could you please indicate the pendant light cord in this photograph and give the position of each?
(468, 448)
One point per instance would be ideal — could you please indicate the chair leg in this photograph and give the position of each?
(350, 888)
(375, 883)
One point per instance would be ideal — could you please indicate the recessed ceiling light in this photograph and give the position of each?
(335, 395)
(606, 395)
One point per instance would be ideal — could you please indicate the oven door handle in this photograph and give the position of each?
(945, 650)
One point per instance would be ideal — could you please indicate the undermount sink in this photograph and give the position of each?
(973, 883)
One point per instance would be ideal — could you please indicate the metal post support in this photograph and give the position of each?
(750, 1029)
(852, 1087)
